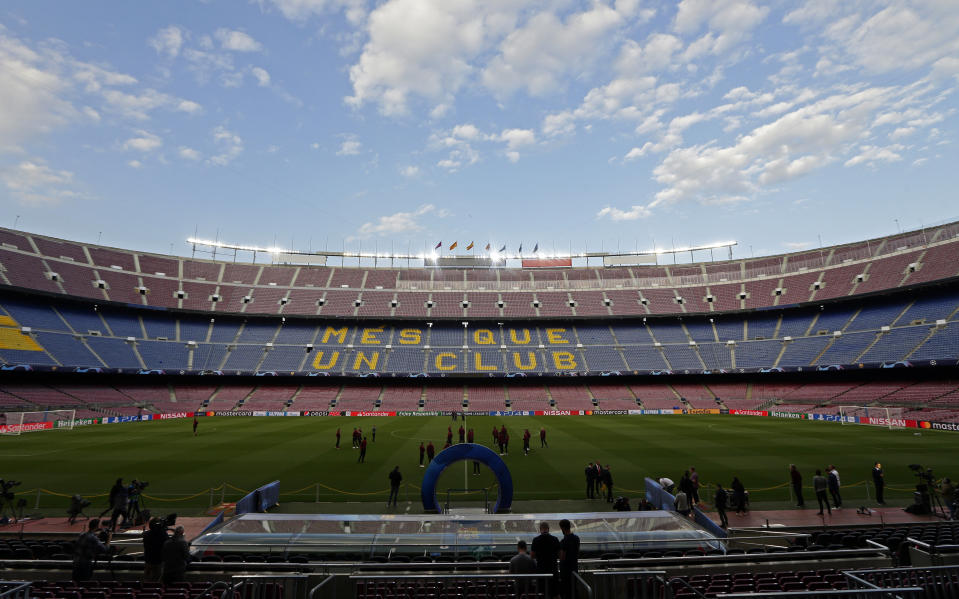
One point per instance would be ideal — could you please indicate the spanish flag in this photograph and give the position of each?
(453, 247)
(487, 247)
(470, 246)
(438, 245)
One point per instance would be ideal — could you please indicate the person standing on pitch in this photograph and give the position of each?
(568, 559)
(395, 478)
(819, 485)
(337, 438)
(526, 437)
(462, 434)
(373, 434)
(879, 479)
(422, 451)
(796, 479)
(362, 458)
(739, 496)
(833, 479)
(720, 500)
(590, 481)
(195, 424)
(608, 481)
(469, 436)
(430, 452)
(542, 437)
(449, 436)
(545, 551)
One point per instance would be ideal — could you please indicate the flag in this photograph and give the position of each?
(487, 247)
(520, 250)
(536, 247)
(470, 246)
(438, 245)
(453, 246)
(503, 249)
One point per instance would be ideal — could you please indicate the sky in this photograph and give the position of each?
(362, 124)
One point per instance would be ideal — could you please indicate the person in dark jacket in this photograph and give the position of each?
(879, 480)
(608, 481)
(119, 500)
(545, 551)
(362, 457)
(796, 479)
(568, 558)
(430, 452)
(739, 496)
(720, 501)
(819, 485)
(686, 484)
(153, 540)
(176, 556)
(422, 452)
(395, 479)
(86, 549)
(590, 481)
(832, 478)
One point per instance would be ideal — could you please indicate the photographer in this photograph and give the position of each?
(153, 541)
(77, 504)
(119, 498)
(6, 496)
(88, 547)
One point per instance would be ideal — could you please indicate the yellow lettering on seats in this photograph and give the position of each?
(441, 361)
(369, 360)
(483, 337)
(523, 341)
(554, 336)
(369, 336)
(518, 362)
(318, 361)
(339, 333)
(411, 336)
(483, 367)
(564, 360)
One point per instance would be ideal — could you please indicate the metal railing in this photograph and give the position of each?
(267, 586)
(937, 582)
(579, 582)
(15, 589)
(631, 584)
(319, 587)
(532, 586)
(896, 593)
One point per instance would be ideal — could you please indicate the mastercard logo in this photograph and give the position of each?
(589, 412)
(925, 424)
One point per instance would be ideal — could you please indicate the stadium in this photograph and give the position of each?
(855, 342)
(432, 299)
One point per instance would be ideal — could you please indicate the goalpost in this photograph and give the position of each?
(889, 417)
(28, 422)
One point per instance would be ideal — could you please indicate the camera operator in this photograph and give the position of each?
(134, 492)
(6, 496)
(154, 539)
(88, 547)
(119, 497)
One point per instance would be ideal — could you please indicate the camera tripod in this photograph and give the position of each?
(16, 508)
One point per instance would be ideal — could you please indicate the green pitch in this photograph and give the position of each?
(247, 452)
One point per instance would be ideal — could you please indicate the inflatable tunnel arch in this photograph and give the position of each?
(459, 453)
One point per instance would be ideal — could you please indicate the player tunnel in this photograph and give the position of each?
(472, 452)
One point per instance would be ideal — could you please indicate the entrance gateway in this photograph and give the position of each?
(459, 453)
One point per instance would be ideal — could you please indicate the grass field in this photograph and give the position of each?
(247, 452)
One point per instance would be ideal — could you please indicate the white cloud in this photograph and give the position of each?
(729, 22)
(134, 164)
(398, 222)
(301, 10)
(189, 153)
(229, 145)
(262, 76)
(410, 171)
(236, 41)
(31, 90)
(139, 106)
(539, 56)
(189, 107)
(870, 155)
(143, 142)
(33, 182)
(615, 214)
(517, 138)
(350, 147)
(168, 41)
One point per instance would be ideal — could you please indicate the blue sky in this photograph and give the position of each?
(405, 122)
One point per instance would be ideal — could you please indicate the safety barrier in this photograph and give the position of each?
(260, 500)
(663, 500)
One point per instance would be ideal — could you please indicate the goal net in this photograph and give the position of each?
(876, 416)
(28, 422)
